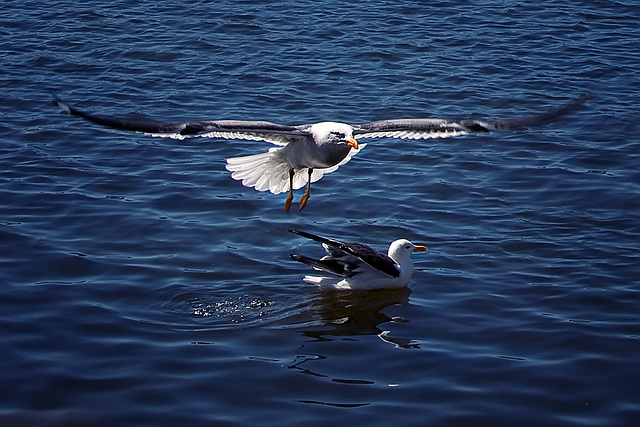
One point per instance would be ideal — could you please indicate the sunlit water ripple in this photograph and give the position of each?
(143, 286)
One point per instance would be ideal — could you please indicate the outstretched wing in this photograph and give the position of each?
(227, 129)
(442, 128)
(418, 128)
(364, 253)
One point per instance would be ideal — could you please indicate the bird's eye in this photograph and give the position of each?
(407, 247)
(338, 134)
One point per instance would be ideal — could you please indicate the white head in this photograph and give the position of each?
(333, 133)
(400, 251)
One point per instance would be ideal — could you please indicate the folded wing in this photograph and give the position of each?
(342, 251)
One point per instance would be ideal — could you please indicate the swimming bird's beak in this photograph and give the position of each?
(351, 142)
(420, 248)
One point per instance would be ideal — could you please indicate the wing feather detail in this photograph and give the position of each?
(337, 250)
(226, 129)
(419, 128)
(443, 128)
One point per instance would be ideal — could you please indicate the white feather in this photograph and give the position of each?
(263, 171)
(268, 172)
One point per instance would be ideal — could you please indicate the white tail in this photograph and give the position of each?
(268, 171)
(262, 171)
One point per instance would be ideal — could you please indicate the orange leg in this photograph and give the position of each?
(287, 203)
(305, 196)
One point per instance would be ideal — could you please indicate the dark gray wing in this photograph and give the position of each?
(227, 129)
(332, 266)
(337, 249)
(442, 128)
(418, 128)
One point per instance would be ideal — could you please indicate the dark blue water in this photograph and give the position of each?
(141, 285)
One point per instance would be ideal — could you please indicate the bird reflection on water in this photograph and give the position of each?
(353, 313)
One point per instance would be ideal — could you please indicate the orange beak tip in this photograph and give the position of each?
(420, 248)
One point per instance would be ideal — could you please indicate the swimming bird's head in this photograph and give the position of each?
(402, 249)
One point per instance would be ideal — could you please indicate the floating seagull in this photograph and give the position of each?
(358, 266)
(304, 153)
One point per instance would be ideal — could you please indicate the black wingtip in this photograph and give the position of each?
(61, 104)
(544, 118)
(305, 234)
(476, 127)
(310, 236)
(587, 96)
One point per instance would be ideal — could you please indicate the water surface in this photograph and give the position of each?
(140, 285)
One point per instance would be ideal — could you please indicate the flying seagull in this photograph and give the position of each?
(357, 266)
(304, 153)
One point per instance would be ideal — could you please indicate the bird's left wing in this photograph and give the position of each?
(418, 128)
(226, 129)
(443, 128)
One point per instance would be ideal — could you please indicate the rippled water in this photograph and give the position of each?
(141, 285)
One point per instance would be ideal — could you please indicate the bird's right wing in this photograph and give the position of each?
(224, 129)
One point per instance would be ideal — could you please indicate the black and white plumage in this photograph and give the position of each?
(357, 266)
(304, 153)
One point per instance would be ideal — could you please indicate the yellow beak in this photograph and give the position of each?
(351, 142)
(420, 248)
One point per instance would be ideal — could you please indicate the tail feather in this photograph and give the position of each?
(262, 171)
(266, 171)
